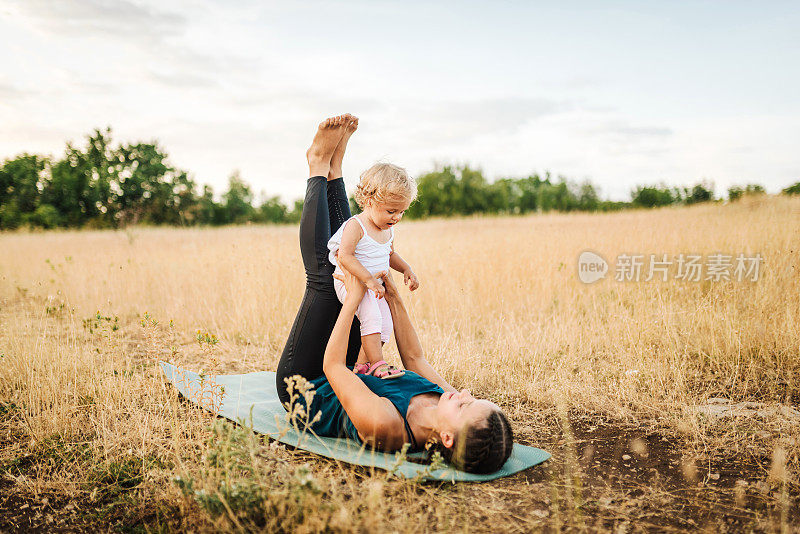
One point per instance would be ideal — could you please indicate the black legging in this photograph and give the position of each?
(325, 209)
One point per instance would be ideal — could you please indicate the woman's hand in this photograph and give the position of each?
(355, 287)
(388, 284)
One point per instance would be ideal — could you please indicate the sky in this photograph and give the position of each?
(619, 93)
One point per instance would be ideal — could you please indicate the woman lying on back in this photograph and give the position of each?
(417, 408)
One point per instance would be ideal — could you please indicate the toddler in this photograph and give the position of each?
(364, 246)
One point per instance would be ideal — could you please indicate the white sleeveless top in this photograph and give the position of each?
(372, 255)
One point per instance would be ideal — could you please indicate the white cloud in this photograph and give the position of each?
(10, 92)
(112, 18)
(225, 86)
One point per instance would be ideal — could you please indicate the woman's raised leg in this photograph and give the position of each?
(338, 203)
(339, 212)
(309, 335)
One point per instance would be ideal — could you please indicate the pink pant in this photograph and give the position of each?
(372, 312)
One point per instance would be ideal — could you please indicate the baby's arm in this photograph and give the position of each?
(346, 256)
(401, 266)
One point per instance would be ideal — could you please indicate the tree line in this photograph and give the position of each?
(103, 185)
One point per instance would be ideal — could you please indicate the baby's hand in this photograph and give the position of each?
(375, 285)
(410, 279)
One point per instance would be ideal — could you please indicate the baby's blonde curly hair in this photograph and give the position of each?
(384, 182)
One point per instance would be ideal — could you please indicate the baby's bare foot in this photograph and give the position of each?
(351, 125)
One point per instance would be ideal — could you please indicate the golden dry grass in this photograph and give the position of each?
(500, 310)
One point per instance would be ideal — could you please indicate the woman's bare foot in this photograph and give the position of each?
(338, 155)
(328, 135)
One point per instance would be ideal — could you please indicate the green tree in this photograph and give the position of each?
(79, 185)
(793, 189)
(588, 199)
(735, 192)
(701, 192)
(436, 194)
(208, 211)
(10, 216)
(22, 179)
(297, 211)
(184, 198)
(6, 185)
(237, 200)
(503, 196)
(139, 192)
(146, 188)
(471, 191)
(653, 196)
(109, 186)
(529, 195)
(271, 210)
(614, 205)
(45, 216)
(754, 189)
(565, 198)
(546, 197)
(449, 191)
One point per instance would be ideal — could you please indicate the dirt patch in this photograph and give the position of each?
(623, 477)
(27, 513)
(58, 512)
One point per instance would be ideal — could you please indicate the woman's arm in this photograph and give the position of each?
(375, 418)
(407, 340)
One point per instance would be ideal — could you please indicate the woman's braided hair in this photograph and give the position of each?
(482, 447)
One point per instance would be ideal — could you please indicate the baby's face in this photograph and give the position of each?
(387, 214)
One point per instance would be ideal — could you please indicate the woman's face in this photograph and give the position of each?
(456, 410)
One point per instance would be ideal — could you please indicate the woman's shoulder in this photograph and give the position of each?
(387, 431)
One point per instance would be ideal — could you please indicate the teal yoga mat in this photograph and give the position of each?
(251, 399)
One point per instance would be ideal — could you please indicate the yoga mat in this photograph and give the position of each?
(233, 397)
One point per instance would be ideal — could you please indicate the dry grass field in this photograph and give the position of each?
(610, 377)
